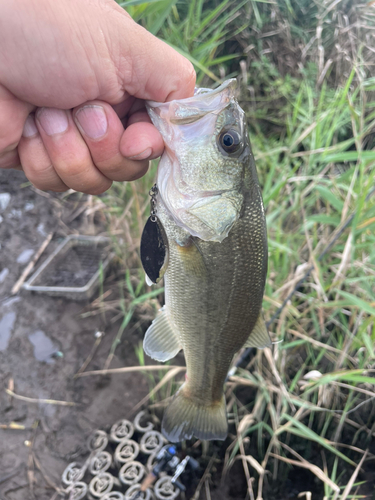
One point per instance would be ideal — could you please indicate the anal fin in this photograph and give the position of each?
(161, 341)
(259, 336)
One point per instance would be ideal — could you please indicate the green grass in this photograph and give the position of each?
(311, 118)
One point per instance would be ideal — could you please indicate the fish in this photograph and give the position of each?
(210, 224)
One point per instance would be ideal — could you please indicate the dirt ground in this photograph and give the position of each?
(43, 343)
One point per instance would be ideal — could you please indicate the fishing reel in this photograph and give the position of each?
(130, 462)
(166, 471)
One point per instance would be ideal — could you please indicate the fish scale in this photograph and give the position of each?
(211, 209)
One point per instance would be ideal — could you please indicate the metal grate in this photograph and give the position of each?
(73, 269)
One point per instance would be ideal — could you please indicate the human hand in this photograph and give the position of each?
(73, 80)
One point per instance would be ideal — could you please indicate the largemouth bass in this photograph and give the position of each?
(210, 214)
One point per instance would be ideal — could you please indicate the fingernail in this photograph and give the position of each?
(92, 120)
(53, 121)
(141, 156)
(29, 129)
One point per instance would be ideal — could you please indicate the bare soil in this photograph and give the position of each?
(43, 343)
(45, 340)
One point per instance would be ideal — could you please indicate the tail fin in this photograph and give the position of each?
(185, 418)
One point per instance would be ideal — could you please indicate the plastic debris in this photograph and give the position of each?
(4, 201)
(25, 256)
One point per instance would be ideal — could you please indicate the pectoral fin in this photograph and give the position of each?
(259, 336)
(161, 341)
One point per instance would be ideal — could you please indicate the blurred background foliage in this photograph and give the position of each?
(303, 414)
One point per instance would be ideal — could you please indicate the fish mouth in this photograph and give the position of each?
(191, 109)
(201, 96)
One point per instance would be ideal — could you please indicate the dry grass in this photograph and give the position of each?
(307, 87)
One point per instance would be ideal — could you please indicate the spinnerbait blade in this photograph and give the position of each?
(154, 244)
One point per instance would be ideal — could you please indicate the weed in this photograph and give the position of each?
(307, 88)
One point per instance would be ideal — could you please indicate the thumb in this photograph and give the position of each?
(151, 69)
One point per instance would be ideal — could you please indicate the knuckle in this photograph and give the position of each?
(44, 177)
(37, 181)
(138, 173)
(82, 177)
(11, 128)
(9, 139)
(109, 167)
(73, 156)
(57, 186)
(9, 159)
(122, 169)
(100, 188)
(37, 172)
(74, 163)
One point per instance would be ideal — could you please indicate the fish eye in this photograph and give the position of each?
(230, 141)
